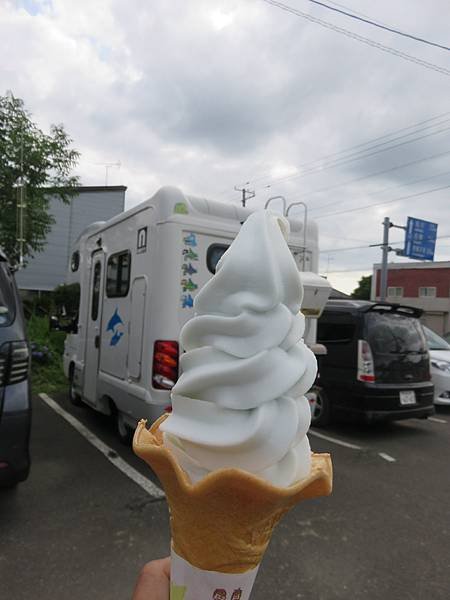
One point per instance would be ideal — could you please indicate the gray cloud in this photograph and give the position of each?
(213, 93)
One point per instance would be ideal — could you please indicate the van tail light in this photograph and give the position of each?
(165, 364)
(14, 362)
(366, 370)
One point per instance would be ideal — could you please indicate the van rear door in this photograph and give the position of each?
(398, 346)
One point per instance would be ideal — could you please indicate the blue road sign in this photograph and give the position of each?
(420, 239)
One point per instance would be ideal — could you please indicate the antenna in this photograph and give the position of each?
(21, 206)
(108, 166)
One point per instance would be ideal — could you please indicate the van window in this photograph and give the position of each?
(75, 261)
(118, 274)
(214, 254)
(329, 333)
(96, 290)
(392, 333)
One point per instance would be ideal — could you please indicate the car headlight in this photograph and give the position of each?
(442, 365)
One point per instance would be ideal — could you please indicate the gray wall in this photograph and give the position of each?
(48, 268)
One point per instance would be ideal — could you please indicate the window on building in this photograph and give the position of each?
(427, 292)
(118, 274)
(395, 292)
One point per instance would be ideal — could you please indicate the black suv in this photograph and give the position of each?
(377, 364)
(15, 405)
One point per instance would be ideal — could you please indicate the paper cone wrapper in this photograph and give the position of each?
(223, 523)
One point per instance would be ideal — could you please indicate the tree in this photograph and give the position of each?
(33, 167)
(362, 292)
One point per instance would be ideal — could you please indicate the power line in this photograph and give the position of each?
(375, 24)
(360, 38)
(424, 193)
(374, 174)
(394, 187)
(367, 143)
(375, 245)
(358, 155)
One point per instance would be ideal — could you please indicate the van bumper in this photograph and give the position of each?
(381, 402)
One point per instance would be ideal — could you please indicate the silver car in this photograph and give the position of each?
(439, 366)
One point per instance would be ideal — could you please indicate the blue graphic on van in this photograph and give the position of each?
(190, 240)
(187, 301)
(188, 269)
(114, 325)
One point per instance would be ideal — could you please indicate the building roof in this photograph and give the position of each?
(439, 264)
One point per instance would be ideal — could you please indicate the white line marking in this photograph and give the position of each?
(147, 485)
(436, 420)
(334, 440)
(387, 457)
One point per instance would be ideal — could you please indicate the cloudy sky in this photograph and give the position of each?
(212, 94)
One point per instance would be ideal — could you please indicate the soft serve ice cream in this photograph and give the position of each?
(240, 399)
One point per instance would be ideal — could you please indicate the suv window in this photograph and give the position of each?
(434, 341)
(335, 332)
(7, 298)
(118, 274)
(393, 333)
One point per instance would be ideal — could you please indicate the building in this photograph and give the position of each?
(420, 284)
(48, 268)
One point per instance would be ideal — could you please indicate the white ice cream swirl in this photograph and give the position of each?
(239, 401)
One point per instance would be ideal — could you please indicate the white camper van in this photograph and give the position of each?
(139, 273)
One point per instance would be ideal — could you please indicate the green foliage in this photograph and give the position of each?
(49, 376)
(362, 292)
(38, 164)
(67, 297)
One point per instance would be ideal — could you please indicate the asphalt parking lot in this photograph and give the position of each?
(80, 527)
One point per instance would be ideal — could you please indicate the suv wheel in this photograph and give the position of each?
(321, 412)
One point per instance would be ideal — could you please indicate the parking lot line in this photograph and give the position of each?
(148, 486)
(387, 457)
(436, 420)
(334, 440)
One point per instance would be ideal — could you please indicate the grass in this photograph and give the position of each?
(48, 376)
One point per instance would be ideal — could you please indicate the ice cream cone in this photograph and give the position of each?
(224, 522)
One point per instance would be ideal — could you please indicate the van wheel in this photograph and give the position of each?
(321, 413)
(124, 433)
(74, 397)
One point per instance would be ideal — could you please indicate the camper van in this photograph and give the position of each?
(139, 273)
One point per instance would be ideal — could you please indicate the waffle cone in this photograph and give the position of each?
(224, 522)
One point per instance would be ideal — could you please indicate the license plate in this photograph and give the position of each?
(407, 397)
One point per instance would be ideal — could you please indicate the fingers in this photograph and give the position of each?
(154, 581)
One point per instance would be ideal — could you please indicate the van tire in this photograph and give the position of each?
(321, 416)
(123, 432)
(74, 397)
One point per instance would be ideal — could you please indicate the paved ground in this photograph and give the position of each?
(80, 528)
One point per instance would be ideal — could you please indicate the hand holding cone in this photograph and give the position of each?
(224, 522)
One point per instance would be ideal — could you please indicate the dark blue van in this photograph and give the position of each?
(377, 365)
(15, 395)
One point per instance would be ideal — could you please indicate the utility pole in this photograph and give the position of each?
(384, 261)
(385, 248)
(246, 194)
